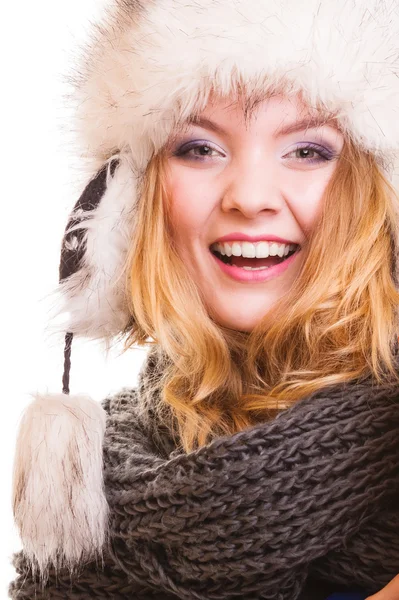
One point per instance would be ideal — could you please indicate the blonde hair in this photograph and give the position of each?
(337, 323)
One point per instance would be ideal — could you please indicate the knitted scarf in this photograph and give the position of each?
(285, 510)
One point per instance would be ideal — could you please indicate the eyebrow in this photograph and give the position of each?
(206, 124)
(306, 123)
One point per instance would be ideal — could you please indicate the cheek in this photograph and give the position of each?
(191, 204)
(305, 196)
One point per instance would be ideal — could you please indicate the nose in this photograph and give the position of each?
(253, 186)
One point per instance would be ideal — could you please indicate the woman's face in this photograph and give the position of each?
(261, 179)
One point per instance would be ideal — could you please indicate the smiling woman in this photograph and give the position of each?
(259, 180)
(241, 222)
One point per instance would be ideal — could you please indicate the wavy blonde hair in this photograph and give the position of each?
(338, 322)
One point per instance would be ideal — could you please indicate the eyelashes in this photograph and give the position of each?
(186, 148)
(323, 154)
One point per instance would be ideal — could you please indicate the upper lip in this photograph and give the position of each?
(236, 236)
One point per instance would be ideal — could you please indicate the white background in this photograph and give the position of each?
(39, 186)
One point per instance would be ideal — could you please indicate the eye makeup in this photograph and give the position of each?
(324, 153)
(183, 149)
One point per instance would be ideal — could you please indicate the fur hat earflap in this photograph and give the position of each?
(58, 495)
(90, 300)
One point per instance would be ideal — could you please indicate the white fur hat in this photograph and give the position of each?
(148, 67)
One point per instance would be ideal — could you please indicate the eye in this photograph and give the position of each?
(198, 151)
(312, 153)
(306, 153)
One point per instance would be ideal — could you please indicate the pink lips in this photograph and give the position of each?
(236, 236)
(240, 274)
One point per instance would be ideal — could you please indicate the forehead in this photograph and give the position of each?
(286, 113)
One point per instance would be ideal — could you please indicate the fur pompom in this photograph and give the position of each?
(59, 501)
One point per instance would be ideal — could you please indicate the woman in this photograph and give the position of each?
(241, 222)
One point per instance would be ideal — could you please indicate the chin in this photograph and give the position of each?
(245, 324)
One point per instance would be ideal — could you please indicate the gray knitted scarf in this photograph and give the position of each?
(289, 509)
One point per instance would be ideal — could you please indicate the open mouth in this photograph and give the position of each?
(241, 261)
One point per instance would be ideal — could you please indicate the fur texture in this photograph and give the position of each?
(145, 69)
(59, 500)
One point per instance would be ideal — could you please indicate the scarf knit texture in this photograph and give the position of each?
(290, 509)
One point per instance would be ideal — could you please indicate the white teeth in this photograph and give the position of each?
(255, 268)
(258, 250)
(262, 250)
(237, 249)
